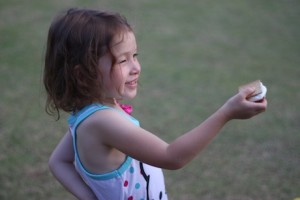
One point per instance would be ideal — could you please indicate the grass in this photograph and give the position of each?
(194, 56)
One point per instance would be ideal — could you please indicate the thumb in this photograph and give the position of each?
(246, 92)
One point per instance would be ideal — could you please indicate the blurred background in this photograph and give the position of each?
(194, 55)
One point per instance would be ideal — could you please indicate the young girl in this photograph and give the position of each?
(91, 64)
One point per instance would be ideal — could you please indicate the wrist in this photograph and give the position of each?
(224, 114)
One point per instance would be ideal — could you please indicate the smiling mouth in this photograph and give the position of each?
(132, 83)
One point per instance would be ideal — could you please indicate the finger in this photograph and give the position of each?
(260, 106)
(245, 92)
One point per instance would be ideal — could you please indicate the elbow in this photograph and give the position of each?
(175, 164)
(178, 165)
(58, 164)
(174, 160)
(51, 164)
(54, 163)
(174, 167)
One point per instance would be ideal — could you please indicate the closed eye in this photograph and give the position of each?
(122, 61)
(125, 60)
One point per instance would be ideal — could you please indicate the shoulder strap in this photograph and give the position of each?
(75, 119)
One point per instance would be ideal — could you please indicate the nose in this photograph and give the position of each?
(136, 67)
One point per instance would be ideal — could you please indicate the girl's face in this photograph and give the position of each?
(120, 79)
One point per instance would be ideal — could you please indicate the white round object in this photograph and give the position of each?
(261, 95)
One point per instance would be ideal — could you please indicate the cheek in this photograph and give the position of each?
(117, 76)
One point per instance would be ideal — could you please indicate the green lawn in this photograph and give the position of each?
(194, 55)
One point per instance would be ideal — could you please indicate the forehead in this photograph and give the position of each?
(123, 43)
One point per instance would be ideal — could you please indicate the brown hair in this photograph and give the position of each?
(76, 41)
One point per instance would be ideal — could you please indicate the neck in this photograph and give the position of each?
(113, 102)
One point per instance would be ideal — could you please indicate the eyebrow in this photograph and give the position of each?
(126, 52)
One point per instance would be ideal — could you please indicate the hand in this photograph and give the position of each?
(238, 107)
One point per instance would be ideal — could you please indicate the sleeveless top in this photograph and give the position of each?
(133, 180)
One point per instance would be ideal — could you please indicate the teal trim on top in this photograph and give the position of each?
(75, 119)
(109, 175)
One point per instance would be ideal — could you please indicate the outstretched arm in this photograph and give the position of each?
(189, 145)
(62, 167)
(148, 148)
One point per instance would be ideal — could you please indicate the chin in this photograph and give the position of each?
(129, 96)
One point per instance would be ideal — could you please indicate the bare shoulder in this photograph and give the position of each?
(105, 122)
(95, 153)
